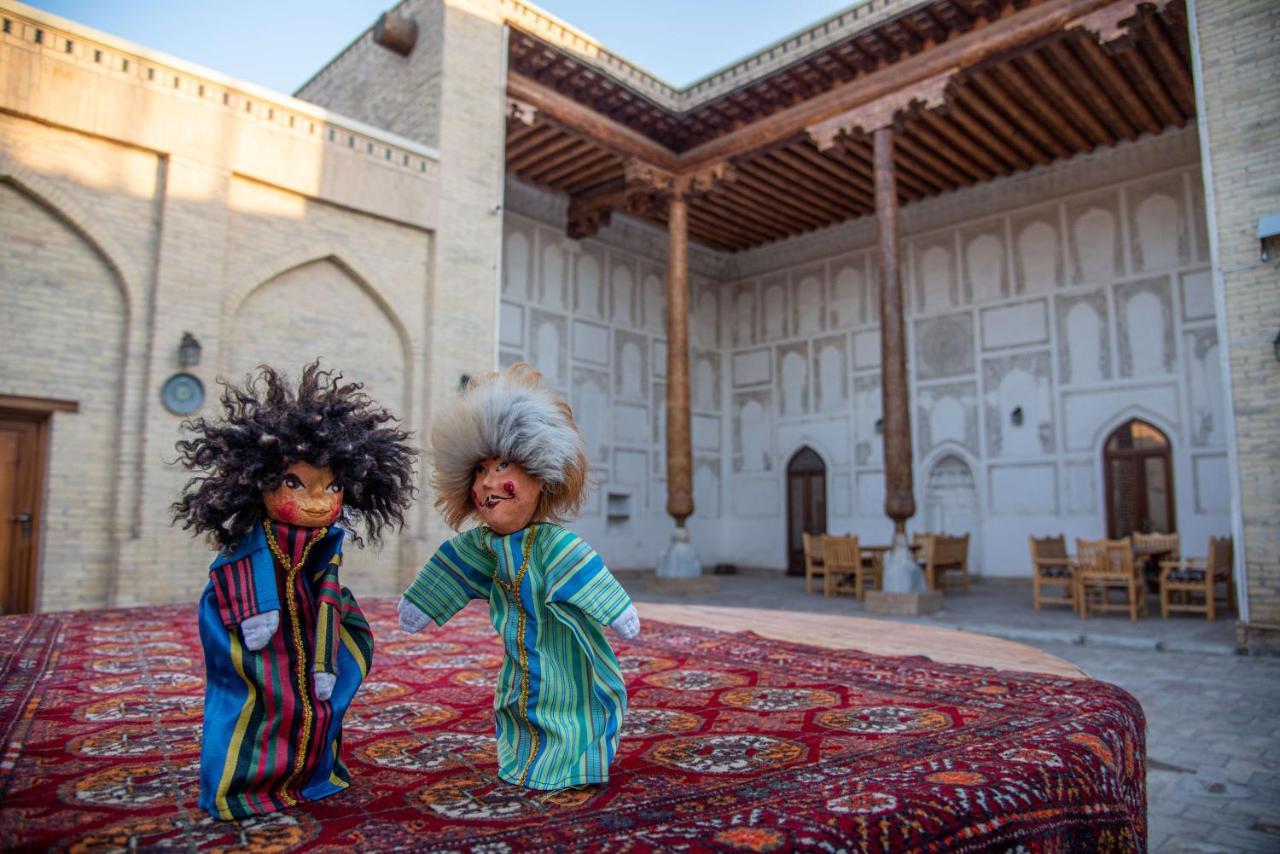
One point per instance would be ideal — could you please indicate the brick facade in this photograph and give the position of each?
(1239, 71)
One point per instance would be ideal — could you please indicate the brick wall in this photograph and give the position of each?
(1239, 66)
(141, 198)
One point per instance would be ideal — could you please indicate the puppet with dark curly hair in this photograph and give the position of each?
(284, 476)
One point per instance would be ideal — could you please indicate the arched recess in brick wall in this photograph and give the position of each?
(322, 309)
(64, 334)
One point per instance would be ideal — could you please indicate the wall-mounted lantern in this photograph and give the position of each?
(879, 426)
(1268, 227)
(1275, 345)
(1015, 417)
(189, 351)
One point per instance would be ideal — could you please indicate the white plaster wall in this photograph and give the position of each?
(590, 315)
(1079, 294)
(1083, 309)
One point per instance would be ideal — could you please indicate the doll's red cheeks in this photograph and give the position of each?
(509, 487)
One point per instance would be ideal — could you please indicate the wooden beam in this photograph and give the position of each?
(968, 98)
(607, 170)
(945, 151)
(987, 140)
(950, 133)
(723, 230)
(542, 153)
(567, 172)
(988, 85)
(529, 143)
(1092, 89)
(1034, 101)
(617, 137)
(1182, 87)
(709, 210)
(1051, 81)
(950, 176)
(1104, 68)
(1013, 32)
(852, 181)
(881, 112)
(758, 174)
(817, 186)
(1164, 106)
(780, 202)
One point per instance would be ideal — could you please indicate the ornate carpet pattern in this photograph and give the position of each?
(733, 742)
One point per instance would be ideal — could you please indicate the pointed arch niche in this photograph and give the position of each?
(806, 503)
(1137, 466)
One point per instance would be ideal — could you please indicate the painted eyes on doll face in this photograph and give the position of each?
(307, 496)
(291, 481)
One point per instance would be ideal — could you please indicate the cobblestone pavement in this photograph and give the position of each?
(1213, 717)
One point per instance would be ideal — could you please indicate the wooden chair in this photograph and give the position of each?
(943, 554)
(1149, 550)
(1050, 567)
(842, 560)
(1104, 566)
(1198, 577)
(812, 544)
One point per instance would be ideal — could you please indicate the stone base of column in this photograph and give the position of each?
(901, 573)
(680, 560)
(903, 604)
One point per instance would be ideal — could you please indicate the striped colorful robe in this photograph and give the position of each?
(268, 743)
(560, 697)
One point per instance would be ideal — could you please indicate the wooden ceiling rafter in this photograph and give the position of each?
(1109, 72)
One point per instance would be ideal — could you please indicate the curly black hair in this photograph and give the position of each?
(267, 427)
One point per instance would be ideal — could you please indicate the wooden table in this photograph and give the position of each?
(878, 637)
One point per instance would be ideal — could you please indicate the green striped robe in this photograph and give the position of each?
(560, 697)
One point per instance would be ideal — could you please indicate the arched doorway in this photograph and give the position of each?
(1138, 470)
(806, 503)
(951, 503)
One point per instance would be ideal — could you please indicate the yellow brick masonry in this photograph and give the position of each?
(144, 197)
(1239, 42)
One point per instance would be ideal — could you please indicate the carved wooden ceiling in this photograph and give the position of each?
(1010, 112)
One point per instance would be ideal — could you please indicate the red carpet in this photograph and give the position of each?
(733, 742)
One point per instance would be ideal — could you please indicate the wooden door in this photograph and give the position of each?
(1138, 468)
(20, 456)
(806, 504)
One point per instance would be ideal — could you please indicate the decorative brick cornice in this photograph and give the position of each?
(58, 40)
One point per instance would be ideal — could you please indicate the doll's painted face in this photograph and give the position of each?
(505, 495)
(307, 497)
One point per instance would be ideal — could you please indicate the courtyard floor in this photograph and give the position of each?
(1213, 717)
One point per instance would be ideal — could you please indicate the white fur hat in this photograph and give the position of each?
(510, 416)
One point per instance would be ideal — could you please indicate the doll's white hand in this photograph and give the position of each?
(324, 684)
(412, 619)
(628, 623)
(259, 628)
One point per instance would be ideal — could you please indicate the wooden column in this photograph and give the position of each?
(679, 438)
(899, 502)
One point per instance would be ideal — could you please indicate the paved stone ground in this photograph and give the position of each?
(1213, 717)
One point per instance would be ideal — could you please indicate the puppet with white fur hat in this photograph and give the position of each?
(510, 457)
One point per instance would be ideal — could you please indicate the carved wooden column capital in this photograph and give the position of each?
(882, 111)
(1108, 22)
(521, 111)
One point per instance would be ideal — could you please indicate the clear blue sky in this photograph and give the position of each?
(281, 43)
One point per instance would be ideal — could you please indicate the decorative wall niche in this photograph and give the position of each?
(867, 410)
(984, 267)
(947, 413)
(773, 310)
(793, 379)
(752, 430)
(1094, 238)
(1144, 327)
(933, 268)
(1204, 387)
(1019, 405)
(552, 281)
(1084, 349)
(622, 289)
(630, 365)
(1037, 255)
(744, 314)
(589, 281)
(516, 251)
(1158, 238)
(705, 381)
(808, 298)
(548, 349)
(590, 401)
(831, 374)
